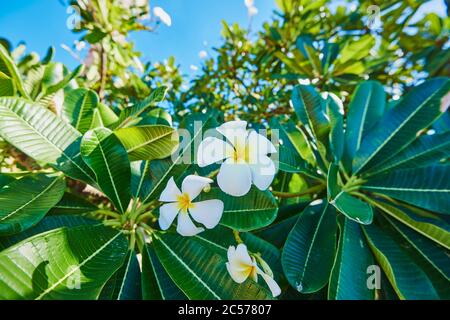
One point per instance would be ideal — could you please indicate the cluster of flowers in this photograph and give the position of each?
(245, 162)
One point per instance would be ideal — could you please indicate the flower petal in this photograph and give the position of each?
(242, 255)
(235, 132)
(259, 145)
(207, 212)
(167, 214)
(186, 227)
(238, 276)
(234, 178)
(170, 192)
(271, 283)
(193, 185)
(212, 150)
(263, 172)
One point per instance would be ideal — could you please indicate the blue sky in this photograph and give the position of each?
(40, 23)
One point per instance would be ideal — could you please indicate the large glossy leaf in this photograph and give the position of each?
(108, 158)
(201, 273)
(310, 109)
(25, 201)
(435, 254)
(293, 138)
(428, 225)
(78, 108)
(277, 232)
(399, 126)
(87, 257)
(9, 69)
(148, 142)
(405, 276)
(125, 283)
(425, 151)
(129, 114)
(308, 253)
(43, 136)
(353, 208)
(428, 187)
(255, 210)
(72, 204)
(46, 224)
(366, 107)
(156, 283)
(348, 279)
(336, 118)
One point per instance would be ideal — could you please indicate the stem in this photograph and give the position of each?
(108, 213)
(237, 237)
(309, 191)
(144, 216)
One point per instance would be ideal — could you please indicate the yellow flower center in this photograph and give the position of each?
(241, 153)
(184, 202)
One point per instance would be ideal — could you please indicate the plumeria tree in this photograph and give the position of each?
(299, 165)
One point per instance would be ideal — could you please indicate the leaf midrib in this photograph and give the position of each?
(78, 267)
(189, 269)
(30, 201)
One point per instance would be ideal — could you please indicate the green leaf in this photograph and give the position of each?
(277, 232)
(399, 126)
(50, 89)
(366, 108)
(424, 151)
(46, 224)
(43, 136)
(87, 257)
(294, 139)
(25, 201)
(310, 109)
(255, 210)
(5, 179)
(289, 160)
(348, 279)
(353, 208)
(108, 158)
(406, 277)
(337, 128)
(308, 253)
(107, 116)
(426, 224)
(333, 187)
(129, 114)
(432, 252)
(9, 69)
(428, 187)
(201, 273)
(78, 108)
(148, 142)
(72, 204)
(125, 283)
(156, 283)
(156, 116)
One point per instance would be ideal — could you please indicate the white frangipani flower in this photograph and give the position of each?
(203, 54)
(162, 15)
(180, 203)
(240, 266)
(245, 155)
(193, 67)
